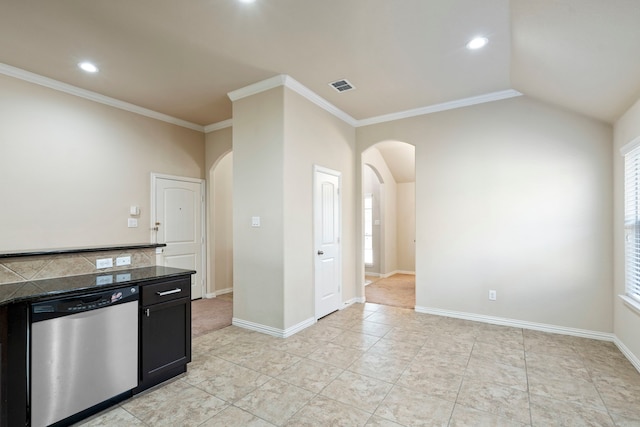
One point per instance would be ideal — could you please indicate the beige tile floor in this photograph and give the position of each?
(383, 366)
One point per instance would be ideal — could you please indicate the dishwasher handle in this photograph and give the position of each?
(172, 291)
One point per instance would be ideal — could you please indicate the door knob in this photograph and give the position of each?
(320, 252)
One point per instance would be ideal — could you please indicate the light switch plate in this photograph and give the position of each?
(255, 221)
(132, 222)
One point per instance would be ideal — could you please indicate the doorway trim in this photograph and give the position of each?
(203, 230)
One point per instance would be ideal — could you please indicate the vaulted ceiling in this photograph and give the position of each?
(181, 58)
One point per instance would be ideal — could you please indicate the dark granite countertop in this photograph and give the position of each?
(38, 289)
(38, 252)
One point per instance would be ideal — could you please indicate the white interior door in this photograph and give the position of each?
(179, 204)
(327, 226)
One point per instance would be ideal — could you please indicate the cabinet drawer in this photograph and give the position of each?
(165, 291)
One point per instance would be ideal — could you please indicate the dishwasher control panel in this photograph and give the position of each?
(79, 303)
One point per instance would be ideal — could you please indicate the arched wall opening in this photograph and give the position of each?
(388, 210)
(220, 225)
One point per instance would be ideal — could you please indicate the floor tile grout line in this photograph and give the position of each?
(526, 372)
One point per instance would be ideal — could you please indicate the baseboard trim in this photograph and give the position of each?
(218, 292)
(627, 353)
(384, 276)
(543, 327)
(352, 301)
(269, 330)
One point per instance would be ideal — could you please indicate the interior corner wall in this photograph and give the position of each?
(626, 320)
(70, 168)
(513, 196)
(314, 137)
(219, 162)
(258, 174)
(389, 249)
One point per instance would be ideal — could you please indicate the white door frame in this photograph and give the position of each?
(338, 174)
(154, 235)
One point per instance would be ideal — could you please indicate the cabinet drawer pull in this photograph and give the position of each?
(172, 291)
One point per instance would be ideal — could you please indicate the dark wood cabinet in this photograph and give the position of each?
(164, 342)
(165, 331)
(13, 365)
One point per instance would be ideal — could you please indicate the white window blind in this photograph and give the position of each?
(632, 222)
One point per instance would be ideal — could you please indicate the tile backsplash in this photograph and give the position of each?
(26, 268)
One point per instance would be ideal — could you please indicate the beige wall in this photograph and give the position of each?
(258, 174)
(278, 136)
(372, 185)
(515, 196)
(314, 137)
(406, 229)
(388, 202)
(626, 320)
(70, 168)
(222, 212)
(219, 163)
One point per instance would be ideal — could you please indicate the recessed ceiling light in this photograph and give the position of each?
(477, 43)
(88, 67)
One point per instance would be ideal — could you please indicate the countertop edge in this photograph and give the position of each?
(62, 251)
(40, 293)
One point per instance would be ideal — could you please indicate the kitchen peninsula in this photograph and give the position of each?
(157, 332)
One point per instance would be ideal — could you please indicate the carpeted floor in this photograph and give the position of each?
(211, 314)
(398, 290)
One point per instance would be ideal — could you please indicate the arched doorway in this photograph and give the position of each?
(215, 310)
(388, 189)
(221, 226)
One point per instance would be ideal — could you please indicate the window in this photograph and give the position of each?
(632, 220)
(368, 229)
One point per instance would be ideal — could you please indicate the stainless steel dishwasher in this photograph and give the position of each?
(84, 351)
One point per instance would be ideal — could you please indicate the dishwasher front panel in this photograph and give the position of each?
(81, 360)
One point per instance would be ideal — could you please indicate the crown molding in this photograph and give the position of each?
(430, 109)
(264, 85)
(219, 125)
(28, 76)
(307, 93)
(258, 87)
(291, 83)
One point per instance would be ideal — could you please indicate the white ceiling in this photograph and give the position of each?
(181, 58)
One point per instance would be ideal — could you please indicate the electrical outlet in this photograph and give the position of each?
(123, 260)
(492, 295)
(104, 263)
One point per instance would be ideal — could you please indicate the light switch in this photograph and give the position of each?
(132, 222)
(134, 210)
(255, 221)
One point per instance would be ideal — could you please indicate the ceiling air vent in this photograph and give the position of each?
(342, 85)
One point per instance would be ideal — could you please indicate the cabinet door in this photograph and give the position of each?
(165, 338)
